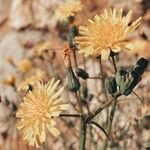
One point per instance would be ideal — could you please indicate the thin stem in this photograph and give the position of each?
(97, 111)
(104, 89)
(83, 134)
(79, 103)
(111, 116)
(69, 115)
(82, 125)
(101, 128)
(138, 97)
(95, 78)
(75, 58)
(92, 139)
(114, 63)
(82, 121)
(110, 121)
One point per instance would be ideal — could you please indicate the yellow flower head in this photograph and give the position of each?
(68, 9)
(24, 65)
(38, 111)
(41, 47)
(106, 32)
(30, 81)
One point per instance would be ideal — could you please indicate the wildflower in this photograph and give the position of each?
(24, 65)
(41, 47)
(30, 81)
(105, 33)
(68, 9)
(38, 111)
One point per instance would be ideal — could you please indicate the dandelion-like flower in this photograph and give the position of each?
(68, 9)
(38, 111)
(41, 47)
(105, 33)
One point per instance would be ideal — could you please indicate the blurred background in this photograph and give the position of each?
(29, 27)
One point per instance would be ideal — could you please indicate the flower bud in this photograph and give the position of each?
(140, 66)
(126, 81)
(73, 82)
(82, 73)
(110, 85)
(129, 84)
(120, 76)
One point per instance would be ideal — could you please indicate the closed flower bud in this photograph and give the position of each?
(111, 85)
(82, 73)
(140, 66)
(73, 82)
(129, 84)
(126, 81)
(120, 76)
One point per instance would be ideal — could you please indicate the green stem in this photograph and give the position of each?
(82, 134)
(82, 121)
(114, 63)
(110, 118)
(110, 121)
(69, 115)
(97, 111)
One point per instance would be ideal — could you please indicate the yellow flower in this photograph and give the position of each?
(38, 111)
(68, 9)
(30, 81)
(24, 65)
(41, 47)
(106, 32)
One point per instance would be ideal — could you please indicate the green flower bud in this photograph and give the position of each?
(129, 84)
(120, 76)
(126, 81)
(73, 82)
(111, 85)
(82, 73)
(140, 66)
